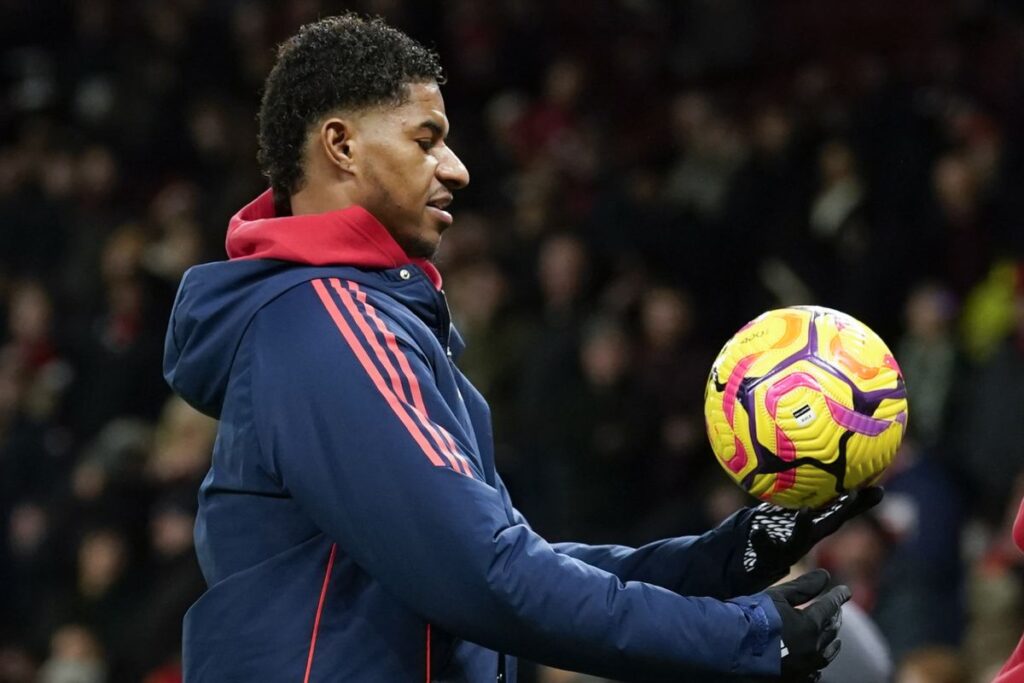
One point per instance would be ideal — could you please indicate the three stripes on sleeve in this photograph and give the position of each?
(379, 353)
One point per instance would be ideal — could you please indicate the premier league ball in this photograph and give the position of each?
(804, 404)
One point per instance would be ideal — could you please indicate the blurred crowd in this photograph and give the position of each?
(647, 176)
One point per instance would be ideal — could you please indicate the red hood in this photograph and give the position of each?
(347, 237)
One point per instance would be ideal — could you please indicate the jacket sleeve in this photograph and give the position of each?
(708, 565)
(350, 419)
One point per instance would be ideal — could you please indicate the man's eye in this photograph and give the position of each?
(425, 144)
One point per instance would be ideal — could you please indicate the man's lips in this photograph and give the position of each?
(440, 214)
(437, 206)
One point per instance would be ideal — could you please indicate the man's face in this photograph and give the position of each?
(405, 173)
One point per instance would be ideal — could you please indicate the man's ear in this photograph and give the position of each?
(336, 142)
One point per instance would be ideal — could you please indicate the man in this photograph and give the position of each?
(352, 526)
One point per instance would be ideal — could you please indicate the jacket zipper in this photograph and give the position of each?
(444, 336)
(444, 313)
(446, 323)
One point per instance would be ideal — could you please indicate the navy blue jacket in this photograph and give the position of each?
(352, 526)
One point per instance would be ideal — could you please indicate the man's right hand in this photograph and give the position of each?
(809, 640)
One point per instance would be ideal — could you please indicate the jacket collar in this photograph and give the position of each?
(346, 237)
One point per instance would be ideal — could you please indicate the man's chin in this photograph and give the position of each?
(421, 246)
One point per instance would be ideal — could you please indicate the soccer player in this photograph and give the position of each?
(352, 526)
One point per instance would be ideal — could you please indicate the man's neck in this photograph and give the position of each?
(315, 199)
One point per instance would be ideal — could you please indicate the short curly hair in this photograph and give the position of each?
(345, 62)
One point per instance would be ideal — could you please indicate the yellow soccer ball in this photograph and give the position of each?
(804, 404)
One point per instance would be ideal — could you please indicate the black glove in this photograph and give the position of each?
(809, 639)
(778, 537)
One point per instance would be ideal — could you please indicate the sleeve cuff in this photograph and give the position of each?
(766, 632)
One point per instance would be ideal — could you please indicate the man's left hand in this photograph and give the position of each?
(778, 537)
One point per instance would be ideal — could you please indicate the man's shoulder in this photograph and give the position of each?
(331, 301)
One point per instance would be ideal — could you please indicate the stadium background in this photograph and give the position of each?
(647, 176)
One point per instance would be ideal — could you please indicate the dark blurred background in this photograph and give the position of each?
(647, 176)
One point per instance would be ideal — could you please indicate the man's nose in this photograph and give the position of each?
(451, 171)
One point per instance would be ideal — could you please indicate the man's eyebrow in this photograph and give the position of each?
(433, 127)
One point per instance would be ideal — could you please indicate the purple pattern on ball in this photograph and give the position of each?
(854, 421)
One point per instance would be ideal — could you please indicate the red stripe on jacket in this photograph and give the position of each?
(442, 438)
(319, 611)
(374, 374)
(401, 409)
(346, 298)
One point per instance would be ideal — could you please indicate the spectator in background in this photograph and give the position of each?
(16, 665)
(29, 562)
(173, 580)
(990, 437)
(710, 151)
(120, 348)
(548, 131)
(962, 221)
(181, 450)
(563, 278)
(179, 244)
(672, 367)
(36, 186)
(98, 208)
(35, 377)
(30, 325)
(928, 357)
(76, 656)
(858, 555)
(917, 552)
(495, 335)
(111, 464)
(766, 210)
(840, 233)
(932, 665)
(599, 417)
(101, 595)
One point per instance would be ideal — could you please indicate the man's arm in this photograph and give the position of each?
(350, 420)
(706, 565)
(688, 565)
(745, 554)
